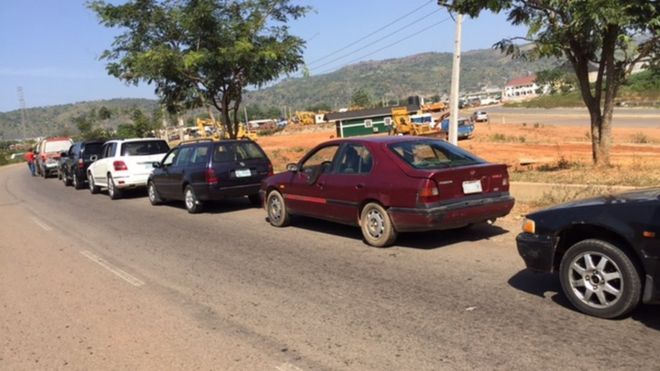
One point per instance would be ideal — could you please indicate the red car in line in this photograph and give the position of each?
(389, 184)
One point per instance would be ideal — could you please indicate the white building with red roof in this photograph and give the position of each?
(520, 88)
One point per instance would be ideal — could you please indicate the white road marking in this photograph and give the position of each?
(288, 367)
(43, 225)
(118, 272)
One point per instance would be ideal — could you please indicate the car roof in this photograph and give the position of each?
(385, 139)
(133, 140)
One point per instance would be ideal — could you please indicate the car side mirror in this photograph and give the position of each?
(156, 165)
(93, 158)
(292, 167)
(64, 154)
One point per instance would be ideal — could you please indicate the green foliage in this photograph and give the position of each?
(202, 52)
(612, 34)
(361, 99)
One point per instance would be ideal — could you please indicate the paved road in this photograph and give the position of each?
(623, 116)
(90, 283)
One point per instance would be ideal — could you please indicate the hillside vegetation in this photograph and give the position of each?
(424, 74)
(642, 89)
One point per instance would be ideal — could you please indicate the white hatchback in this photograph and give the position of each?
(124, 164)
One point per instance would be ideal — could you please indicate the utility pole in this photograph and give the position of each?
(455, 76)
(21, 102)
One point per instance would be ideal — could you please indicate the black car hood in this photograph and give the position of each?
(641, 195)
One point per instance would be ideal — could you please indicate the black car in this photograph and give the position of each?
(606, 250)
(206, 170)
(73, 164)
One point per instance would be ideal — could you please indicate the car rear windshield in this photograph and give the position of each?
(92, 149)
(237, 151)
(57, 146)
(145, 148)
(433, 154)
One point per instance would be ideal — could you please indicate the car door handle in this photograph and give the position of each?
(359, 186)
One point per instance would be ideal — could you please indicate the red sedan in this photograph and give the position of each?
(389, 184)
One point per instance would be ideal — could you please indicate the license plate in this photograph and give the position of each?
(472, 186)
(243, 173)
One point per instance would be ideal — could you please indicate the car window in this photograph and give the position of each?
(92, 149)
(354, 159)
(433, 154)
(144, 148)
(169, 159)
(185, 154)
(237, 151)
(199, 155)
(325, 154)
(57, 146)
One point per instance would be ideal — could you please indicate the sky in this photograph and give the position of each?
(51, 48)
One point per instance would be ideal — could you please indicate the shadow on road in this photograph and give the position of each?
(217, 207)
(418, 240)
(538, 284)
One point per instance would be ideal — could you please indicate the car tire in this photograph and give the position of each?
(376, 225)
(278, 215)
(93, 189)
(153, 195)
(113, 191)
(193, 205)
(75, 181)
(64, 179)
(255, 199)
(608, 287)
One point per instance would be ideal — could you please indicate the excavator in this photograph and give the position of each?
(303, 118)
(402, 124)
(219, 131)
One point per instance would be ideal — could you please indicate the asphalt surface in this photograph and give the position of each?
(623, 116)
(90, 283)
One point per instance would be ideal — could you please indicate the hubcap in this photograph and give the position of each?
(111, 187)
(275, 208)
(596, 280)
(190, 200)
(75, 180)
(375, 223)
(152, 192)
(90, 180)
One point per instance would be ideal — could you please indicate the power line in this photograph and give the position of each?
(372, 33)
(377, 41)
(392, 44)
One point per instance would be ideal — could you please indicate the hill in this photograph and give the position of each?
(59, 120)
(424, 74)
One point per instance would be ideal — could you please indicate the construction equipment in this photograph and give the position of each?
(403, 125)
(438, 110)
(304, 118)
(218, 131)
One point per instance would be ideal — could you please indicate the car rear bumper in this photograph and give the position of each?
(538, 251)
(131, 181)
(207, 193)
(453, 215)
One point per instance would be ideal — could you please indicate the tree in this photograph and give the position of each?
(613, 35)
(361, 99)
(202, 52)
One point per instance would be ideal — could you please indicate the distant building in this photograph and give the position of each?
(521, 88)
(365, 121)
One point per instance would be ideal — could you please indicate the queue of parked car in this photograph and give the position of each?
(606, 249)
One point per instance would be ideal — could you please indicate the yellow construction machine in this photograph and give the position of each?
(403, 125)
(304, 118)
(219, 132)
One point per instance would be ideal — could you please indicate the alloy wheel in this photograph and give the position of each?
(596, 280)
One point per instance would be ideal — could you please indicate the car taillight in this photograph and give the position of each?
(429, 191)
(210, 177)
(270, 169)
(119, 165)
(81, 164)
